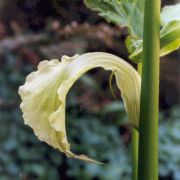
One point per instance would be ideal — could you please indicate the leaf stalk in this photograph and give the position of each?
(148, 128)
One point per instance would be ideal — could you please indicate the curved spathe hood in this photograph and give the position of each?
(44, 94)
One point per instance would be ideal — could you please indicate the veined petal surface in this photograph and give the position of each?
(44, 94)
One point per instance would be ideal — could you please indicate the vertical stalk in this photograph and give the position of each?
(139, 67)
(148, 129)
(135, 143)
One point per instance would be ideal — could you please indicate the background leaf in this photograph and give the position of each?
(130, 14)
(169, 42)
(170, 37)
(121, 12)
(170, 13)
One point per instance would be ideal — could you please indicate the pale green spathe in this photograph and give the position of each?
(44, 94)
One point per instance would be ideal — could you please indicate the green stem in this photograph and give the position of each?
(135, 142)
(139, 67)
(148, 128)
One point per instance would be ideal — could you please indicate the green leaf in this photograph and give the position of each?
(169, 42)
(133, 43)
(170, 37)
(170, 13)
(134, 46)
(128, 13)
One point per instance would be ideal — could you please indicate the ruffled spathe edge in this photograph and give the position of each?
(44, 94)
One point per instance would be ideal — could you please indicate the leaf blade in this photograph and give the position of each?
(121, 12)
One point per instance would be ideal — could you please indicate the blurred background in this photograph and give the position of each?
(31, 31)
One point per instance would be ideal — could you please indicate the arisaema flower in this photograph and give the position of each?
(44, 94)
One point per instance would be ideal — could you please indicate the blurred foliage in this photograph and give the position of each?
(96, 123)
(103, 142)
(97, 131)
(169, 145)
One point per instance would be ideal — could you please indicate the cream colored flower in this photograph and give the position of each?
(44, 94)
